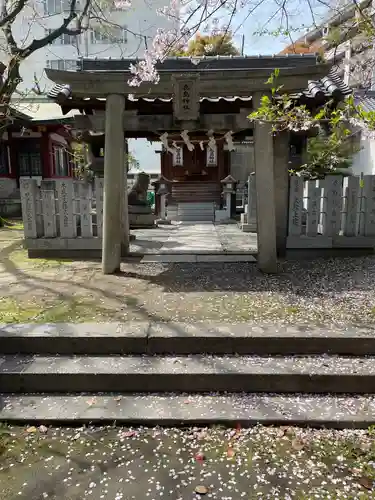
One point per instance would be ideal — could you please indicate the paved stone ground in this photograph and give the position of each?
(192, 238)
(112, 463)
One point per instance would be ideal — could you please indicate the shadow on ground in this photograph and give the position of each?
(161, 292)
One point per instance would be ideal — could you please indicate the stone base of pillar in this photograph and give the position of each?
(163, 222)
(141, 221)
(124, 248)
(248, 227)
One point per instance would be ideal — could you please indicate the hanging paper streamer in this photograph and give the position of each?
(185, 136)
(229, 139)
(164, 140)
(211, 141)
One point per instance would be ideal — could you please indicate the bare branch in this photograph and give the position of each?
(9, 17)
(61, 30)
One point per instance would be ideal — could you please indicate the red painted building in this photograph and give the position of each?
(32, 148)
(195, 175)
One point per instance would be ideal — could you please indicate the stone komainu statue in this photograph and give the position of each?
(137, 194)
(140, 212)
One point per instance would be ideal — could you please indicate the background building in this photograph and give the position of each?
(126, 34)
(342, 39)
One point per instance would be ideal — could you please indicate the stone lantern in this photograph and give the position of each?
(161, 186)
(229, 191)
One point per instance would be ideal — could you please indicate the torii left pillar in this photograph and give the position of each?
(114, 164)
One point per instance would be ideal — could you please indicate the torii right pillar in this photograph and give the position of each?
(265, 193)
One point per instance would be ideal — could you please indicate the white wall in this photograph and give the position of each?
(364, 160)
(242, 162)
(141, 19)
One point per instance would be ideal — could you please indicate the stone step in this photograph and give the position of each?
(308, 374)
(191, 409)
(182, 338)
(196, 219)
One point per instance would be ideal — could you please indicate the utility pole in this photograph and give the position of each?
(242, 45)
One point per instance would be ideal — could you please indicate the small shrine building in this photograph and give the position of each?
(198, 108)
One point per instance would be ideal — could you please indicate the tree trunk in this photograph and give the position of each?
(7, 89)
(11, 81)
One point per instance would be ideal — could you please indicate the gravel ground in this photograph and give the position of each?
(183, 464)
(333, 292)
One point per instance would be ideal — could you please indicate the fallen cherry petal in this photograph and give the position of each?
(201, 490)
(129, 434)
(43, 429)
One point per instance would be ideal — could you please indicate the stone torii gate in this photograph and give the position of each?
(100, 89)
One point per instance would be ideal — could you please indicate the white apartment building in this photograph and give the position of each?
(129, 31)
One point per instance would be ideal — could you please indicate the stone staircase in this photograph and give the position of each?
(171, 374)
(192, 212)
(197, 191)
(196, 212)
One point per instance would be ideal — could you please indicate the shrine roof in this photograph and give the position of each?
(40, 111)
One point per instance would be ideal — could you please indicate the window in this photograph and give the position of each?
(178, 160)
(29, 158)
(211, 160)
(60, 162)
(64, 39)
(64, 64)
(57, 6)
(4, 163)
(108, 35)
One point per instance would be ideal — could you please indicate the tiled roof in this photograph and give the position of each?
(59, 91)
(330, 86)
(365, 99)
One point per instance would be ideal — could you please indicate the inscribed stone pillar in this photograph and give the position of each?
(251, 203)
(228, 201)
(281, 179)
(125, 232)
(113, 183)
(265, 193)
(163, 206)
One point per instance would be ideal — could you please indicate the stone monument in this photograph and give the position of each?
(140, 213)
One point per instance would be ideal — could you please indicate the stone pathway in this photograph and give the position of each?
(194, 239)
